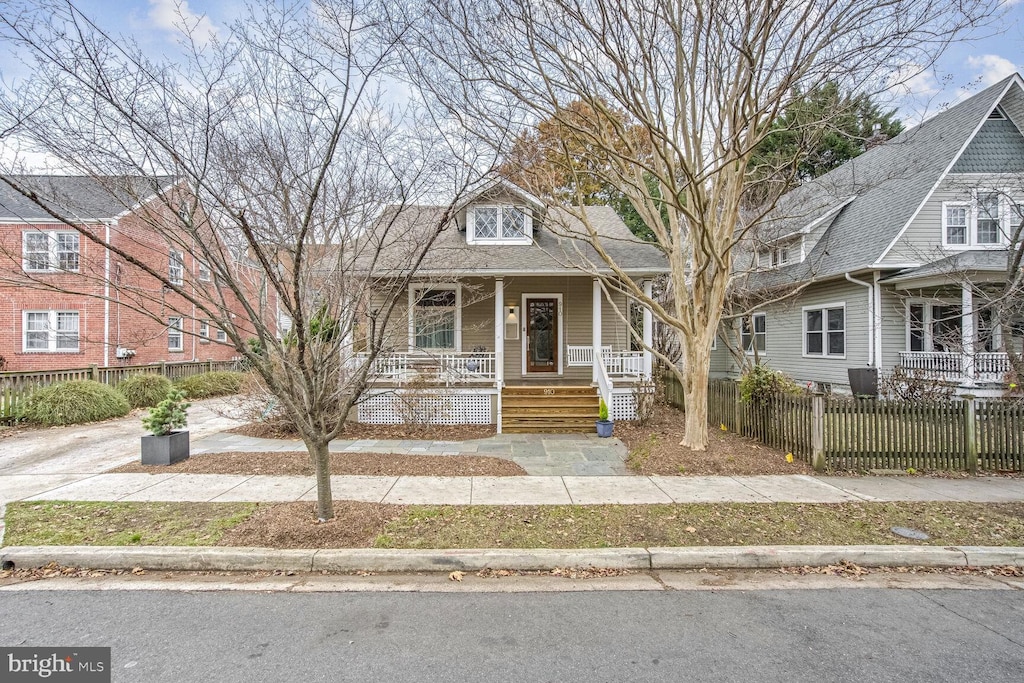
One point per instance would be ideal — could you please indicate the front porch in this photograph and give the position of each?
(565, 332)
(957, 368)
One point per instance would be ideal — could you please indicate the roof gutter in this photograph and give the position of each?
(871, 316)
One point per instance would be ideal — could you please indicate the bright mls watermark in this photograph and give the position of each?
(59, 664)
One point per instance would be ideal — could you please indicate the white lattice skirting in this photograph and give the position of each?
(417, 407)
(623, 406)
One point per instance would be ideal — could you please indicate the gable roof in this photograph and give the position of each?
(890, 183)
(82, 198)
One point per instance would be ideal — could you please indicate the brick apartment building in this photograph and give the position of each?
(68, 302)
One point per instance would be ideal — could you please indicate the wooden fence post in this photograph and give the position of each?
(818, 432)
(970, 435)
(163, 367)
(94, 372)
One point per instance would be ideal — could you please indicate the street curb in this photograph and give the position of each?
(404, 560)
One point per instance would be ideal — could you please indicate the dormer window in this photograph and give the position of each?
(499, 224)
(780, 254)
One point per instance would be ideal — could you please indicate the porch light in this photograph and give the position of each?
(510, 318)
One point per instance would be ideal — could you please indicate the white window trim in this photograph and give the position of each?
(204, 331)
(221, 335)
(824, 308)
(180, 280)
(203, 266)
(51, 340)
(927, 338)
(180, 329)
(413, 298)
(754, 333)
(522, 333)
(52, 258)
(471, 237)
(1005, 218)
(795, 247)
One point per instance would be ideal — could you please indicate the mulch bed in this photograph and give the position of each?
(294, 525)
(373, 464)
(654, 450)
(358, 430)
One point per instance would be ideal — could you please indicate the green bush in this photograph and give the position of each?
(761, 383)
(144, 390)
(211, 384)
(73, 403)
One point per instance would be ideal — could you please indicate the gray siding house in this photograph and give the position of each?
(897, 257)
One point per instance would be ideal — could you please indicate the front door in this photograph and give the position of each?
(542, 335)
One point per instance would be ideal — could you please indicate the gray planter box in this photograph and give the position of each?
(165, 450)
(604, 428)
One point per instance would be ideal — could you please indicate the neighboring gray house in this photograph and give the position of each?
(897, 251)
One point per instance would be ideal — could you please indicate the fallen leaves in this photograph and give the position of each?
(456, 576)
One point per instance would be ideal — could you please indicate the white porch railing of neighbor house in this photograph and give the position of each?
(616, 363)
(953, 366)
(446, 368)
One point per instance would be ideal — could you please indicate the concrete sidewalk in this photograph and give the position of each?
(543, 490)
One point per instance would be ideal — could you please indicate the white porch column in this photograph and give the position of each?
(597, 324)
(648, 331)
(967, 332)
(499, 331)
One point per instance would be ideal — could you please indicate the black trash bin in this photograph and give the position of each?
(864, 381)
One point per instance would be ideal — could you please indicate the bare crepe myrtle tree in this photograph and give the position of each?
(269, 152)
(705, 80)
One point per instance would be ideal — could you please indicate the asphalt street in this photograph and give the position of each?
(757, 635)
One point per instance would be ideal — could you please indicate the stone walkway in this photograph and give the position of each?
(538, 454)
(538, 490)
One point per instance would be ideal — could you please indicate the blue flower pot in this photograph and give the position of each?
(604, 428)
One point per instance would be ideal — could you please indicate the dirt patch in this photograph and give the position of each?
(294, 525)
(372, 464)
(358, 430)
(654, 450)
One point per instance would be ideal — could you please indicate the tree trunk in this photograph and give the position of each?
(321, 458)
(697, 359)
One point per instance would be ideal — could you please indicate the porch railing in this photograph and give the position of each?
(953, 366)
(446, 368)
(616, 363)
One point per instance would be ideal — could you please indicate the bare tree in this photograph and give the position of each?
(704, 80)
(270, 153)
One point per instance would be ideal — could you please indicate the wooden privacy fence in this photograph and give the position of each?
(15, 387)
(849, 433)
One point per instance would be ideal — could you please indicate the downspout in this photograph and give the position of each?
(871, 316)
(878, 320)
(106, 294)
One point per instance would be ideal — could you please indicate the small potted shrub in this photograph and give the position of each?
(167, 445)
(604, 425)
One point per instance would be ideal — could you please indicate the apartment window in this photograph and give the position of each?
(756, 338)
(435, 318)
(204, 271)
(500, 224)
(50, 331)
(50, 251)
(204, 332)
(221, 335)
(176, 267)
(175, 336)
(825, 331)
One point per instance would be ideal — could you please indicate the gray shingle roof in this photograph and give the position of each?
(890, 182)
(554, 249)
(987, 261)
(82, 198)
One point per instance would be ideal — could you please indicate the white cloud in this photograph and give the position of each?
(174, 16)
(913, 81)
(991, 68)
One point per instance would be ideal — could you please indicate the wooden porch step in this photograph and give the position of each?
(512, 402)
(548, 391)
(557, 409)
(547, 426)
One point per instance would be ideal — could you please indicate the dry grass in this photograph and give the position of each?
(358, 430)
(371, 464)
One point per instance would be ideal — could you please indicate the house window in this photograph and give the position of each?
(175, 337)
(221, 335)
(500, 224)
(934, 327)
(757, 338)
(50, 251)
(435, 319)
(50, 331)
(984, 221)
(636, 324)
(204, 271)
(204, 331)
(176, 267)
(825, 331)
(779, 254)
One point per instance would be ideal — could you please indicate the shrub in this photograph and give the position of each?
(168, 415)
(211, 384)
(144, 390)
(74, 403)
(761, 384)
(602, 410)
(915, 385)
